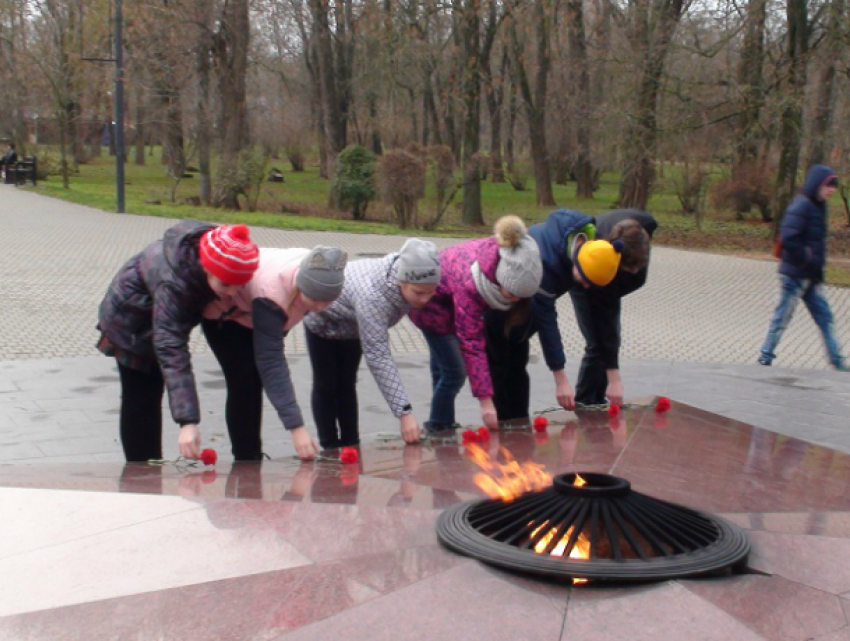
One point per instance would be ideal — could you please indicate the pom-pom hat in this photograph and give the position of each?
(520, 268)
(598, 260)
(229, 254)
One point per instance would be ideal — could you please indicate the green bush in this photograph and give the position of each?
(354, 180)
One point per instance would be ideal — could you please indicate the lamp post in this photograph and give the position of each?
(119, 105)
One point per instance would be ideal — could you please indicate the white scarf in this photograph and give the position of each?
(490, 291)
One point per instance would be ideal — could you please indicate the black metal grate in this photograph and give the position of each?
(599, 531)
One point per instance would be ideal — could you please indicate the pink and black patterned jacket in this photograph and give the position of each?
(457, 307)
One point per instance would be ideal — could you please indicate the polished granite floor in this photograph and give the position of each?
(324, 550)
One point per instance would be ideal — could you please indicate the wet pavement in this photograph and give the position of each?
(91, 548)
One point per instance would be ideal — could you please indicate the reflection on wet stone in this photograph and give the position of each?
(293, 533)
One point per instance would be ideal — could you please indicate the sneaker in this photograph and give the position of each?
(841, 366)
(764, 360)
(440, 430)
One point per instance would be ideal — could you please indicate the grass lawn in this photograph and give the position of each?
(301, 203)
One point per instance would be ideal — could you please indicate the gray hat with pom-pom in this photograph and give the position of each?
(520, 269)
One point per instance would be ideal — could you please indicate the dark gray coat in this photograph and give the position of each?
(152, 305)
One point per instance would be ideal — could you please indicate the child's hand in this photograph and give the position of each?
(305, 446)
(189, 442)
(409, 428)
(565, 395)
(488, 413)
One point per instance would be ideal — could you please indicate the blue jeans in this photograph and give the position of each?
(448, 375)
(812, 294)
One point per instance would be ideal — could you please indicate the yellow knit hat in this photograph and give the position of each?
(598, 260)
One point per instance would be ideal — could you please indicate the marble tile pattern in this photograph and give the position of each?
(284, 550)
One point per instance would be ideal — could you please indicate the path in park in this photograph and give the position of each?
(692, 333)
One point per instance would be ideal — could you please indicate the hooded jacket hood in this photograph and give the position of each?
(816, 176)
(180, 247)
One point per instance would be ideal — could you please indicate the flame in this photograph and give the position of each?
(507, 480)
(581, 548)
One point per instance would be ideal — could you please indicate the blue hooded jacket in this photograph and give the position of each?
(803, 229)
(553, 239)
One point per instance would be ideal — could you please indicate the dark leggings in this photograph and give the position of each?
(141, 413)
(507, 357)
(334, 396)
(233, 346)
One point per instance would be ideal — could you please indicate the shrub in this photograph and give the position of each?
(745, 189)
(402, 181)
(354, 180)
(441, 168)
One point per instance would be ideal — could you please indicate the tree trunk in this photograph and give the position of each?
(495, 91)
(639, 171)
(580, 74)
(203, 52)
(535, 101)
(819, 145)
(471, 95)
(334, 69)
(750, 83)
(139, 142)
(231, 54)
(792, 113)
(510, 159)
(375, 142)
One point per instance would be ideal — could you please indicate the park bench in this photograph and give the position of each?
(26, 170)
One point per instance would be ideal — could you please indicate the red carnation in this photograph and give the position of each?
(540, 424)
(483, 434)
(613, 410)
(209, 457)
(663, 404)
(469, 436)
(349, 455)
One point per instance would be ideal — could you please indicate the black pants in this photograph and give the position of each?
(334, 397)
(590, 308)
(507, 357)
(233, 346)
(140, 419)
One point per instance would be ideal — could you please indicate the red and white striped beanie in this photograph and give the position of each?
(229, 254)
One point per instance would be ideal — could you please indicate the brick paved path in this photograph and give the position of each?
(58, 258)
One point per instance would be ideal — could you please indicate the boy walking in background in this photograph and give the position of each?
(802, 239)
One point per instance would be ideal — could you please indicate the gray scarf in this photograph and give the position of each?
(490, 291)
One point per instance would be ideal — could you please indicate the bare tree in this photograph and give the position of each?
(580, 75)
(830, 50)
(653, 25)
(230, 54)
(534, 97)
(791, 122)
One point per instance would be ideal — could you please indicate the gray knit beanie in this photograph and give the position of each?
(520, 269)
(322, 273)
(419, 262)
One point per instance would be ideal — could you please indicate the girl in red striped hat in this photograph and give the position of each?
(145, 319)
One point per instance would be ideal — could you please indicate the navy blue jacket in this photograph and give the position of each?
(803, 229)
(552, 238)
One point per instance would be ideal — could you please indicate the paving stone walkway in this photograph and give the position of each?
(692, 333)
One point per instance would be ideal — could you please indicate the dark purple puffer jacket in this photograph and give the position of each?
(152, 305)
